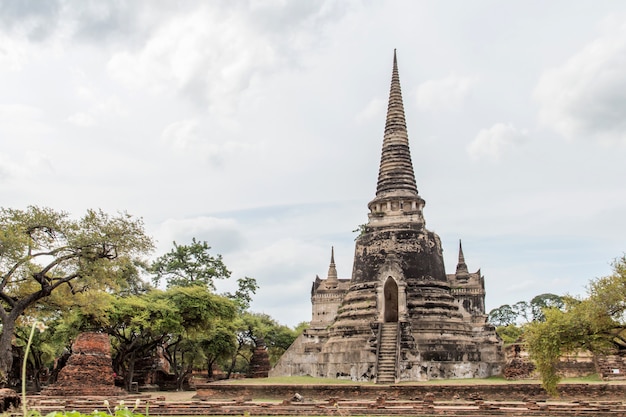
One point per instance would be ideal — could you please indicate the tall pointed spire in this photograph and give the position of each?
(332, 271)
(461, 267)
(397, 200)
(396, 170)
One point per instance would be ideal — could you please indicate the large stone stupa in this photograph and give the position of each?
(400, 317)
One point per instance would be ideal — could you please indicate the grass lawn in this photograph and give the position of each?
(307, 380)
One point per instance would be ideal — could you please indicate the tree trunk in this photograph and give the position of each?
(130, 372)
(60, 364)
(233, 362)
(6, 350)
(180, 382)
(38, 366)
(210, 368)
(36, 378)
(175, 367)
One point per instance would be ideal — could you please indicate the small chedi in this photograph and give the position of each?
(260, 360)
(400, 317)
(88, 370)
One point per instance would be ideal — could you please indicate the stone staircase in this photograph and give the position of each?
(611, 367)
(387, 353)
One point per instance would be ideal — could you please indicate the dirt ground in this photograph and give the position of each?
(172, 395)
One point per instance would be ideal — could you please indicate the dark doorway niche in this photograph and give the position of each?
(391, 301)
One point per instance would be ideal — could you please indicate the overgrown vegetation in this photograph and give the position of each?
(551, 326)
(596, 323)
(90, 274)
(47, 256)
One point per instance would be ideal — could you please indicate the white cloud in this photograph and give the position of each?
(223, 234)
(445, 93)
(103, 109)
(82, 119)
(208, 55)
(13, 53)
(492, 143)
(213, 52)
(375, 110)
(295, 81)
(8, 167)
(20, 121)
(288, 253)
(182, 135)
(28, 164)
(113, 106)
(585, 97)
(188, 137)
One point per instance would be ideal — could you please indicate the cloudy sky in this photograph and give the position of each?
(257, 126)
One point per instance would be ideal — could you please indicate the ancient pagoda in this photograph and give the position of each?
(400, 317)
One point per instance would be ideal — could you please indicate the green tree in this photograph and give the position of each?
(187, 265)
(243, 296)
(510, 333)
(200, 312)
(218, 345)
(42, 351)
(523, 311)
(137, 325)
(502, 316)
(278, 339)
(300, 327)
(596, 323)
(542, 301)
(174, 320)
(251, 327)
(42, 250)
(66, 315)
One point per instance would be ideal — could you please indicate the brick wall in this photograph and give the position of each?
(511, 392)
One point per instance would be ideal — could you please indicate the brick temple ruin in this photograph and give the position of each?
(89, 369)
(400, 317)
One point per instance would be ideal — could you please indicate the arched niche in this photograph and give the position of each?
(391, 300)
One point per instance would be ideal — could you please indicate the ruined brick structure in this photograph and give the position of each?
(89, 369)
(400, 317)
(260, 361)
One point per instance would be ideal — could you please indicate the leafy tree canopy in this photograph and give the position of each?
(502, 316)
(193, 265)
(243, 296)
(510, 333)
(43, 250)
(596, 323)
(187, 265)
(524, 312)
(542, 301)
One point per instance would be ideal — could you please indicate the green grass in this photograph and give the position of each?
(307, 380)
(584, 379)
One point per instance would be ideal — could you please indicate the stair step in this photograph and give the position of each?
(387, 353)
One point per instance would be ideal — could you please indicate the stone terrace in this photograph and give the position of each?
(429, 400)
(342, 407)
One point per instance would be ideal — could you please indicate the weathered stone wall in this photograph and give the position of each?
(9, 399)
(302, 357)
(519, 365)
(510, 392)
(349, 363)
(611, 367)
